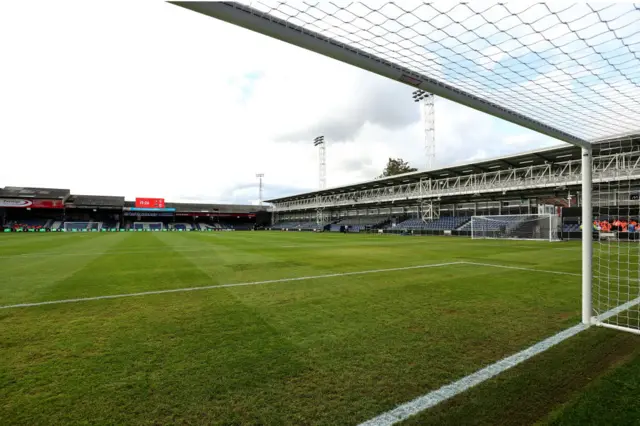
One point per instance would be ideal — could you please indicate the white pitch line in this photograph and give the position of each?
(518, 268)
(424, 402)
(431, 399)
(209, 287)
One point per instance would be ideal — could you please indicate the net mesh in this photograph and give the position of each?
(573, 67)
(527, 227)
(77, 226)
(616, 248)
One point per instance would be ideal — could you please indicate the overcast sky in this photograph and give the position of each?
(146, 99)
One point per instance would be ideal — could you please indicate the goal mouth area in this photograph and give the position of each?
(533, 227)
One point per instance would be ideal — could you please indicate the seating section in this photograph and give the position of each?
(28, 224)
(499, 222)
(357, 224)
(109, 224)
(441, 224)
(78, 226)
(241, 226)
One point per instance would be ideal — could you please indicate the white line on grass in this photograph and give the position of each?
(209, 287)
(431, 399)
(518, 268)
(424, 402)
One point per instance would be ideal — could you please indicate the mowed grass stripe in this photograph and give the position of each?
(339, 352)
(336, 351)
(218, 286)
(24, 279)
(118, 273)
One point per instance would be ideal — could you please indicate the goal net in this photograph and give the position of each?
(566, 71)
(76, 226)
(524, 227)
(616, 240)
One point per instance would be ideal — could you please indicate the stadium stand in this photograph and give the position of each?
(28, 208)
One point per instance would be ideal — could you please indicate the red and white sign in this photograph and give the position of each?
(15, 202)
(150, 203)
(34, 204)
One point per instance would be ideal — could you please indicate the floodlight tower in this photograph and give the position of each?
(322, 158)
(429, 117)
(260, 176)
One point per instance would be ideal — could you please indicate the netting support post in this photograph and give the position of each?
(587, 236)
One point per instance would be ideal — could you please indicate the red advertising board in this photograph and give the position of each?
(32, 204)
(150, 203)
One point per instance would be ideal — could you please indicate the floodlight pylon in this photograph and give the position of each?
(322, 161)
(427, 109)
(260, 188)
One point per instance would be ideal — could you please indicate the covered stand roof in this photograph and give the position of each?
(542, 156)
(43, 193)
(96, 200)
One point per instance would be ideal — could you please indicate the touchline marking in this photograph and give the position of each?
(431, 399)
(518, 268)
(209, 287)
(424, 402)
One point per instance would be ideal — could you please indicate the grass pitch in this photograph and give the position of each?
(332, 350)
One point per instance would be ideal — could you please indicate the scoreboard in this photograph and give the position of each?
(150, 203)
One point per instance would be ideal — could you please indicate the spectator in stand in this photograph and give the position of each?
(617, 225)
(632, 226)
(605, 226)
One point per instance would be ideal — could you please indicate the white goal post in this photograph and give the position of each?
(543, 227)
(76, 226)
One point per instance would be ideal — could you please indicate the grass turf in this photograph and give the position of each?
(336, 350)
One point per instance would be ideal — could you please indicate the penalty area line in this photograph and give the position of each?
(210, 287)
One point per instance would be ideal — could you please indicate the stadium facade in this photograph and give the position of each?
(444, 200)
(54, 209)
(439, 201)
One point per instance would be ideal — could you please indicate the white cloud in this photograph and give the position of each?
(149, 99)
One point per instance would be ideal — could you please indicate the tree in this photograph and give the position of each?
(396, 166)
